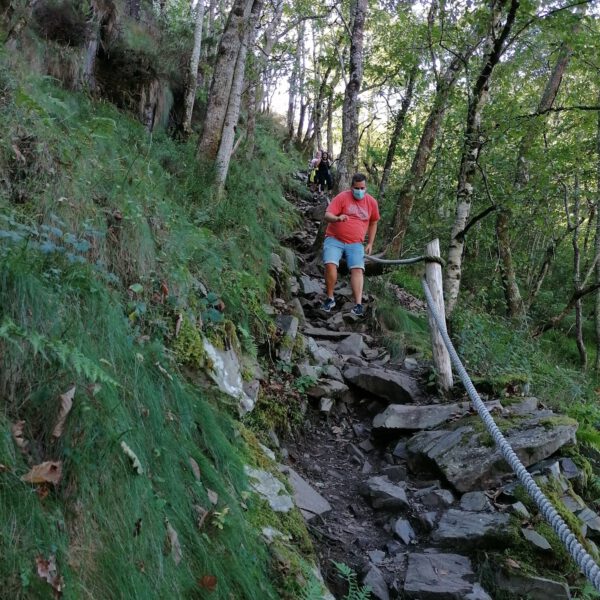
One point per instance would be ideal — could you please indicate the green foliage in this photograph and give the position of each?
(355, 592)
(303, 383)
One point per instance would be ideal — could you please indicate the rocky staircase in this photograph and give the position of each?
(404, 487)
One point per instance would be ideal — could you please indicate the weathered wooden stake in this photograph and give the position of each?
(441, 358)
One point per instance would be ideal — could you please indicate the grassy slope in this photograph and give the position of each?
(89, 206)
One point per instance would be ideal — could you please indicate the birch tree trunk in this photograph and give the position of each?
(408, 192)
(235, 98)
(398, 126)
(577, 278)
(222, 80)
(192, 75)
(349, 152)
(330, 123)
(294, 79)
(471, 149)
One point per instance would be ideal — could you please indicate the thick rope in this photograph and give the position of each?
(576, 550)
(407, 261)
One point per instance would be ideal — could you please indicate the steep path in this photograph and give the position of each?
(395, 483)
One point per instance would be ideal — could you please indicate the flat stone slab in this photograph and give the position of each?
(468, 529)
(329, 388)
(306, 498)
(353, 345)
(538, 540)
(476, 501)
(265, 484)
(311, 286)
(326, 334)
(384, 494)
(533, 588)
(385, 383)
(433, 576)
(470, 462)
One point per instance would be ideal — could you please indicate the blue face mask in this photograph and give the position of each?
(358, 194)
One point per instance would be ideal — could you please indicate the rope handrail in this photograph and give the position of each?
(407, 261)
(583, 559)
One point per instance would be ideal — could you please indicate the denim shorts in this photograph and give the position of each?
(334, 249)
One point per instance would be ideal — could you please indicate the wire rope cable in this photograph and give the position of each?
(583, 559)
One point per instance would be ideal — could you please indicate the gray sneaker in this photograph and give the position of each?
(328, 304)
(358, 310)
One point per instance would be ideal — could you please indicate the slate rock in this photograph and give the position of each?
(306, 498)
(400, 451)
(476, 502)
(428, 520)
(433, 497)
(411, 418)
(527, 406)
(270, 488)
(432, 576)
(297, 310)
(521, 510)
(573, 502)
(351, 346)
(374, 579)
(319, 354)
(388, 384)
(384, 494)
(570, 469)
(335, 322)
(531, 587)
(304, 369)
(289, 259)
(333, 372)
(468, 529)
(326, 334)
(376, 556)
(403, 529)
(330, 388)
(478, 593)
(395, 473)
(592, 521)
(288, 325)
(276, 262)
(310, 286)
(325, 404)
(538, 540)
(468, 461)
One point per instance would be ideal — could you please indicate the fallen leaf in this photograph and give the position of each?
(47, 570)
(18, 437)
(18, 154)
(195, 469)
(173, 543)
(135, 461)
(513, 563)
(164, 289)
(164, 371)
(201, 514)
(46, 472)
(42, 491)
(3, 468)
(212, 496)
(178, 324)
(66, 403)
(208, 582)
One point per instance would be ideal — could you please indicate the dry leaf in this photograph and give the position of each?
(18, 437)
(46, 472)
(513, 563)
(178, 324)
(3, 468)
(208, 582)
(42, 491)
(135, 461)
(164, 371)
(202, 515)
(212, 496)
(47, 570)
(195, 469)
(66, 403)
(173, 542)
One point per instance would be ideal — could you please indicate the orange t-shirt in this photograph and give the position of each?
(360, 214)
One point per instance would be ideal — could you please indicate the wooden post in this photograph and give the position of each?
(441, 358)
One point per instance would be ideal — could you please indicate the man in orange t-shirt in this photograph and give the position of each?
(352, 215)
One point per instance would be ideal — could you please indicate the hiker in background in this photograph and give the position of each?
(312, 175)
(352, 215)
(324, 172)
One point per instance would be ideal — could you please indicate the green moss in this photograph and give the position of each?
(558, 421)
(189, 347)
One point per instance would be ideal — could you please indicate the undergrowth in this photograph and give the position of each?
(108, 240)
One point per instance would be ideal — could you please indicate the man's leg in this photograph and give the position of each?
(356, 283)
(330, 278)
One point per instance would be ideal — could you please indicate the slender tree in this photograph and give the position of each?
(192, 74)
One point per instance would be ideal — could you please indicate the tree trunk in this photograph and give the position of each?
(22, 19)
(251, 120)
(349, 152)
(406, 197)
(222, 80)
(318, 110)
(398, 126)
(597, 243)
(471, 149)
(577, 278)
(514, 302)
(330, 123)
(192, 74)
(294, 84)
(233, 109)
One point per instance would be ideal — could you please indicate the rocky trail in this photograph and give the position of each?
(404, 487)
